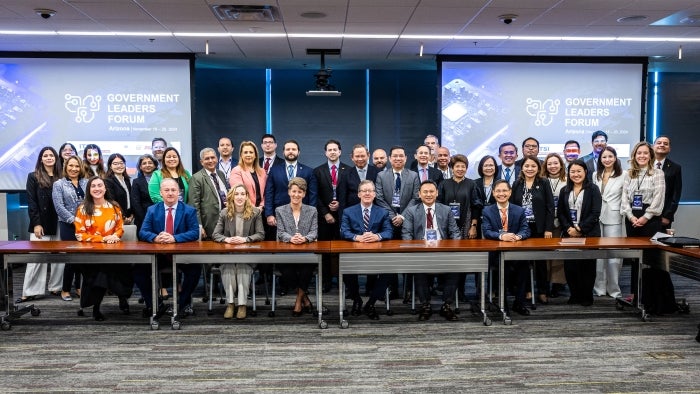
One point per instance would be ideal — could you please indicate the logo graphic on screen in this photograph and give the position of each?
(542, 110)
(84, 108)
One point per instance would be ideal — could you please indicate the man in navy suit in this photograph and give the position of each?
(376, 228)
(269, 158)
(599, 140)
(507, 222)
(185, 228)
(423, 169)
(673, 178)
(508, 170)
(431, 220)
(348, 185)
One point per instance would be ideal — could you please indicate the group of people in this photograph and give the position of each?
(267, 197)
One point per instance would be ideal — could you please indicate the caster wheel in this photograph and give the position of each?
(155, 325)
(344, 324)
(271, 314)
(222, 301)
(175, 325)
(507, 321)
(206, 299)
(253, 313)
(323, 325)
(267, 302)
(390, 312)
(456, 311)
(36, 312)
(81, 313)
(5, 326)
(646, 317)
(487, 322)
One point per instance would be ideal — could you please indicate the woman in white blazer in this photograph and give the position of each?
(609, 180)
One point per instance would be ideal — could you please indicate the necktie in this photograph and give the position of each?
(397, 185)
(429, 221)
(334, 175)
(290, 172)
(658, 165)
(365, 219)
(362, 174)
(169, 222)
(508, 175)
(266, 166)
(423, 176)
(222, 198)
(504, 219)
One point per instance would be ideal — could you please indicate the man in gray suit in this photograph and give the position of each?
(431, 220)
(207, 193)
(397, 188)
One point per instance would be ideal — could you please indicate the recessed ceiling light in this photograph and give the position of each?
(632, 18)
(313, 15)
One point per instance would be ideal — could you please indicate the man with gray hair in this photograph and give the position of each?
(207, 192)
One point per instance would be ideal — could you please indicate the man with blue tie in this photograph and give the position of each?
(366, 222)
(397, 188)
(430, 221)
(508, 169)
(170, 221)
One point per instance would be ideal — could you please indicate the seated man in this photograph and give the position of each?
(167, 222)
(507, 222)
(366, 222)
(431, 220)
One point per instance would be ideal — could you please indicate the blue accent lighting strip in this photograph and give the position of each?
(367, 108)
(268, 101)
(655, 107)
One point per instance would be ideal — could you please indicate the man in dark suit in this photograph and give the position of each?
(269, 159)
(366, 222)
(508, 170)
(207, 192)
(673, 178)
(507, 222)
(170, 221)
(348, 185)
(397, 188)
(430, 221)
(423, 169)
(433, 143)
(599, 140)
(531, 147)
(327, 177)
(379, 159)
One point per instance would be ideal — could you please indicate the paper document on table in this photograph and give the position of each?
(572, 241)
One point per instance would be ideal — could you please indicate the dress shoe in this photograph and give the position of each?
(124, 305)
(163, 310)
(407, 298)
(371, 312)
(586, 302)
(147, 312)
(187, 311)
(229, 311)
(520, 309)
(356, 308)
(557, 289)
(97, 315)
(241, 313)
(425, 312)
(447, 312)
(308, 306)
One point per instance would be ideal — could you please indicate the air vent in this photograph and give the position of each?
(247, 13)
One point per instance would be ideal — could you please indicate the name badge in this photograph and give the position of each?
(637, 202)
(529, 214)
(335, 195)
(454, 207)
(556, 205)
(431, 236)
(573, 215)
(396, 200)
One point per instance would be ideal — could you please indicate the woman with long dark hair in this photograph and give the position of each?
(172, 168)
(93, 162)
(119, 185)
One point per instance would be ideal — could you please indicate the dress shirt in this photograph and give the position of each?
(435, 219)
(362, 173)
(174, 207)
(294, 168)
(511, 169)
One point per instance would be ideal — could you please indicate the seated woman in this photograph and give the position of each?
(297, 223)
(238, 223)
(100, 220)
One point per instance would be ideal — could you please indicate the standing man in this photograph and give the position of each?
(158, 146)
(508, 170)
(327, 177)
(207, 193)
(531, 147)
(226, 162)
(423, 169)
(443, 162)
(672, 175)
(379, 159)
(432, 221)
(599, 140)
(348, 185)
(572, 150)
(397, 189)
(268, 145)
(433, 143)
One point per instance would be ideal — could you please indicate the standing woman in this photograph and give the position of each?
(609, 180)
(579, 210)
(554, 171)
(100, 220)
(238, 223)
(484, 185)
(119, 185)
(146, 165)
(69, 192)
(534, 194)
(93, 163)
(297, 223)
(43, 223)
(249, 173)
(64, 152)
(172, 168)
(643, 191)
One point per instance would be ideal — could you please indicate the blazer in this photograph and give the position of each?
(40, 206)
(348, 185)
(65, 200)
(308, 223)
(277, 184)
(464, 193)
(479, 182)
(277, 162)
(154, 186)
(434, 175)
(514, 176)
(590, 211)
(674, 184)
(140, 199)
(246, 178)
(491, 225)
(542, 202)
(118, 194)
(204, 198)
(414, 222)
(612, 199)
(324, 186)
(352, 222)
(253, 229)
(186, 227)
(385, 190)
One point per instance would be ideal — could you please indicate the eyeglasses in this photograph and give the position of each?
(367, 191)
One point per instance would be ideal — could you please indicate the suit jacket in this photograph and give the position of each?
(513, 176)
(542, 202)
(612, 199)
(252, 228)
(186, 227)
(491, 225)
(308, 223)
(385, 190)
(482, 195)
(414, 222)
(40, 206)
(348, 185)
(352, 223)
(467, 196)
(246, 178)
(590, 211)
(434, 175)
(140, 199)
(118, 194)
(590, 161)
(674, 184)
(275, 163)
(205, 199)
(276, 187)
(324, 187)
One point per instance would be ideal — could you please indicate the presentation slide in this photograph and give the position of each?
(487, 103)
(118, 104)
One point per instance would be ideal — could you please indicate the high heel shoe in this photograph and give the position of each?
(307, 305)
(298, 309)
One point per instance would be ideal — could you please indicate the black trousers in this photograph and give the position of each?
(580, 275)
(648, 256)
